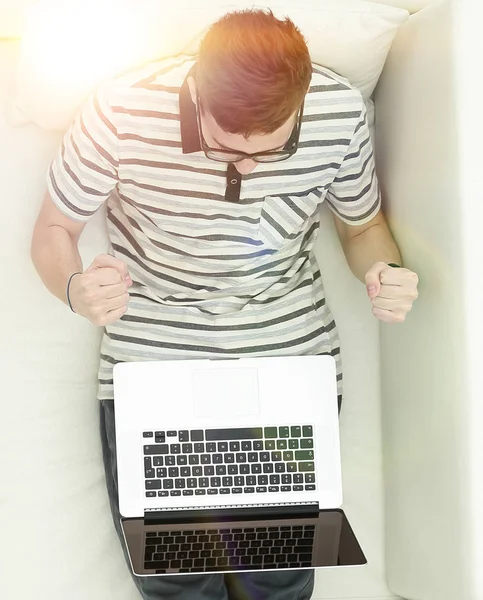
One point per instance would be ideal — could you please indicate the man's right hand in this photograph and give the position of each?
(100, 293)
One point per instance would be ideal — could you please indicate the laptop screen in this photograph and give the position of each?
(324, 540)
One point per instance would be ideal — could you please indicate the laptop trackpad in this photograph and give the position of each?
(225, 392)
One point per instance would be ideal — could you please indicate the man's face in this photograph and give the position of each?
(217, 138)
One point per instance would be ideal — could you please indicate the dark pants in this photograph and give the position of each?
(273, 585)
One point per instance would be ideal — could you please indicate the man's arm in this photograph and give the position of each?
(54, 250)
(364, 245)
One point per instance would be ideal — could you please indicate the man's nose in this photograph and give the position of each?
(246, 166)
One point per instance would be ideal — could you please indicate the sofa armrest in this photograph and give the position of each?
(426, 402)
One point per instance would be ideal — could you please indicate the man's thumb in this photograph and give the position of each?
(106, 260)
(373, 284)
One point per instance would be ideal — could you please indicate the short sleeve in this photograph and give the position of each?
(85, 170)
(354, 195)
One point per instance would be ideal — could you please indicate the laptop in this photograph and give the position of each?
(231, 465)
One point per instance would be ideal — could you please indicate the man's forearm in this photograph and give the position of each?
(55, 256)
(373, 245)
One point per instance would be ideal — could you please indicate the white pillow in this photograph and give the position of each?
(60, 63)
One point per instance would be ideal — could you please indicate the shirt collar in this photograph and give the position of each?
(190, 139)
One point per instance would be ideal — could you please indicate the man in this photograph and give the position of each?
(214, 168)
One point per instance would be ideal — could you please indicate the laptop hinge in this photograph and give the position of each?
(210, 514)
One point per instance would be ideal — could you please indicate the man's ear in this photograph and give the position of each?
(192, 86)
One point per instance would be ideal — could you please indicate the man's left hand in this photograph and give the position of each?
(395, 290)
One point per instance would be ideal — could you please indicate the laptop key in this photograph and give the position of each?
(185, 472)
(173, 471)
(161, 472)
(152, 484)
(261, 489)
(170, 461)
(286, 488)
(194, 459)
(239, 481)
(292, 467)
(197, 471)
(181, 459)
(158, 461)
(175, 493)
(180, 483)
(236, 490)
(258, 445)
(304, 455)
(199, 448)
(251, 480)
(212, 491)
(163, 493)
(306, 466)
(211, 447)
(224, 490)
(309, 443)
(222, 446)
(203, 482)
(293, 444)
(187, 492)
(309, 477)
(310, 488)
(217, 458)
(246, 446)
(236, 433)
(253, 457)
(307, 431)
(267, 468)
(149, 473)
(220, 470)
(150, 494)
(233, 469)
(184, 436)
(283, 432)
(187, 448)
(279, 467)
(197, 435)
(295, 431)
(172, 433)
(271, 432)
(175, 448)
(249, 490)
(147, 434)
(168, 484)
(244, 469)
(158, 449)
(206, 459)
(229, 458)
(273, 488)
(199, 492)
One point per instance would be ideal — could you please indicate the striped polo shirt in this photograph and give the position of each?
(222, 264)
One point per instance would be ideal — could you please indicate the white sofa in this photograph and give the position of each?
(409, 424)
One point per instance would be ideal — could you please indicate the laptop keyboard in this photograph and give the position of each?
(234, 548)
(242, 460)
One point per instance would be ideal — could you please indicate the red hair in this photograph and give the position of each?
(253, 71)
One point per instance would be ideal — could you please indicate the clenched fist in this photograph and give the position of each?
(100, 293)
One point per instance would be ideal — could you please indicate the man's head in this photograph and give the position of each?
(252, 74)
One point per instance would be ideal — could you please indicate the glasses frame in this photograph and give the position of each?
(291, 146)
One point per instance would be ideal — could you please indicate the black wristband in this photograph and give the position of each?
(67, 291)
(394, 265)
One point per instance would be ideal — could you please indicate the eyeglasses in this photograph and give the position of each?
(231, 156)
